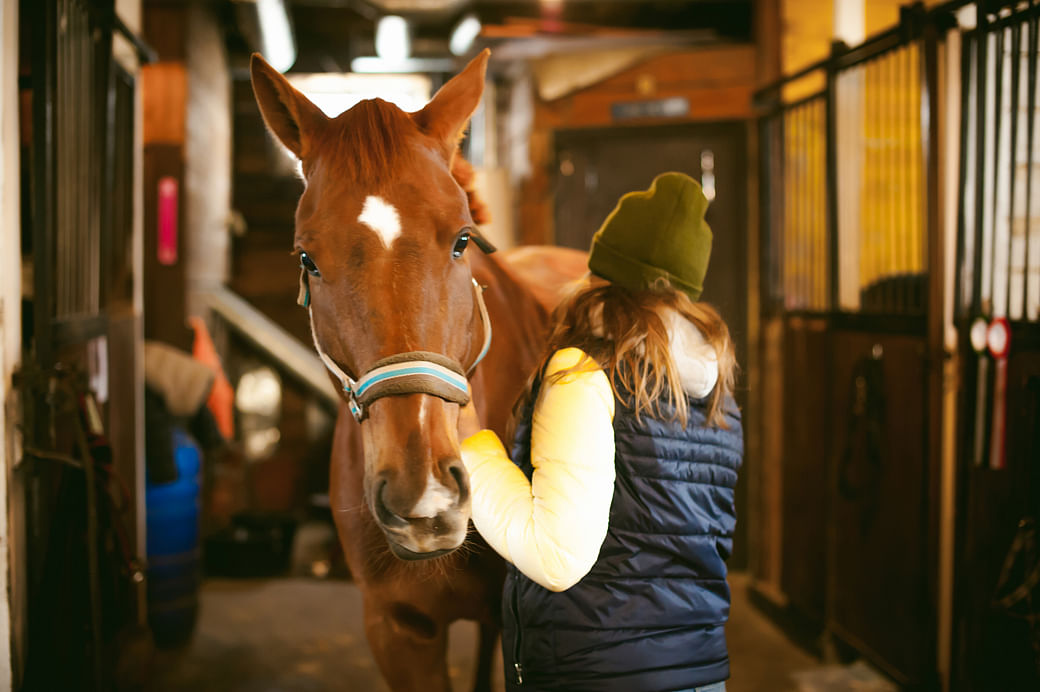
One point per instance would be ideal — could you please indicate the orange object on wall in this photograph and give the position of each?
(164, 94)
(221, 400)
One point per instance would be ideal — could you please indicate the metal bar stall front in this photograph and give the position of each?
(999, 342)
(80, 195)
(850, 196)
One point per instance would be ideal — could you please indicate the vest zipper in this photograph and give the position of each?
(517, 665)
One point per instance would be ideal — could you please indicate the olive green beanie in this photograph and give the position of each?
(655, 233)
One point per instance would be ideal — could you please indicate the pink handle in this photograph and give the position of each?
(167, 251)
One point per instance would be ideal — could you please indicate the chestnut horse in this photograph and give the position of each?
(401, 314)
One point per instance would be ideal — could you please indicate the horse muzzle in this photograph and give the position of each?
(435, 526)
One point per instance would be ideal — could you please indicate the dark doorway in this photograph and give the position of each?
(593, 168)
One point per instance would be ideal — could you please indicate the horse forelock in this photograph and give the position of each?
(370, 142)
(375, 142)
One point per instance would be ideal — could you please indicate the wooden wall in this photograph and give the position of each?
(717, 82)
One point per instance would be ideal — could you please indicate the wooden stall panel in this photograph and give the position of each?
(804, 471)
(265, 192)
(878, 557)
(767, 494)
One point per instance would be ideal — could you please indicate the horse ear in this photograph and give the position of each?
(292, 118)
(446, 115)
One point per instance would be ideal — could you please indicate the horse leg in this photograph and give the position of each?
(486, 643)
(410, 648)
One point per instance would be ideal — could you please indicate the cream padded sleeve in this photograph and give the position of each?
(553, 527)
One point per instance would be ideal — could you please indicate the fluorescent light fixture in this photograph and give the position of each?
(374, 65)
(279, 48)
(463, 35)
(392, 40)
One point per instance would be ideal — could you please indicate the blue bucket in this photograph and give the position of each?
(174, 568)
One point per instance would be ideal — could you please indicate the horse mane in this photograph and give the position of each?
(462, 171)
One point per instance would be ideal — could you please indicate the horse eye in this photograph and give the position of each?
(460, 244)
(307, 263)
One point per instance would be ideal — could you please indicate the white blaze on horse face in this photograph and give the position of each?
(381, 217)
(435, 499)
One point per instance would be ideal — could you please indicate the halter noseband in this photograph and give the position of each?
(413, 372)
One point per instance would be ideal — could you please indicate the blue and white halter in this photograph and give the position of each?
(414, 372)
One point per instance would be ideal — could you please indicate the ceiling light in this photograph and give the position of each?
(279, 48)
(463, 35)
(392, 41)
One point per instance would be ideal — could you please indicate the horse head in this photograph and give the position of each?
(381, 232)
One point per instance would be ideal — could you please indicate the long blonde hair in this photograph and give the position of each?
(624, 333)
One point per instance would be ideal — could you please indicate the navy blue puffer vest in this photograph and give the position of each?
(649, 616)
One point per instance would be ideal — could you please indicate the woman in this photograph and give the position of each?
(615, 508)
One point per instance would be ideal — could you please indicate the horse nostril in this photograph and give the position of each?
(384, 514)
(458, 472)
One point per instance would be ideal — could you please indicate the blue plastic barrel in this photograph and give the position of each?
(174, 568)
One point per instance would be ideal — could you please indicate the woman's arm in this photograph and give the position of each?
(551, 528)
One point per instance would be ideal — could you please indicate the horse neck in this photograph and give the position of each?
(510, 301)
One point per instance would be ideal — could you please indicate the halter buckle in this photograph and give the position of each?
(352, 403)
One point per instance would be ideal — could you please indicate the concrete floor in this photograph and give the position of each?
(305, 635)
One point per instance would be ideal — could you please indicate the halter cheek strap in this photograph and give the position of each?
(485, 322)
(414, 372)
